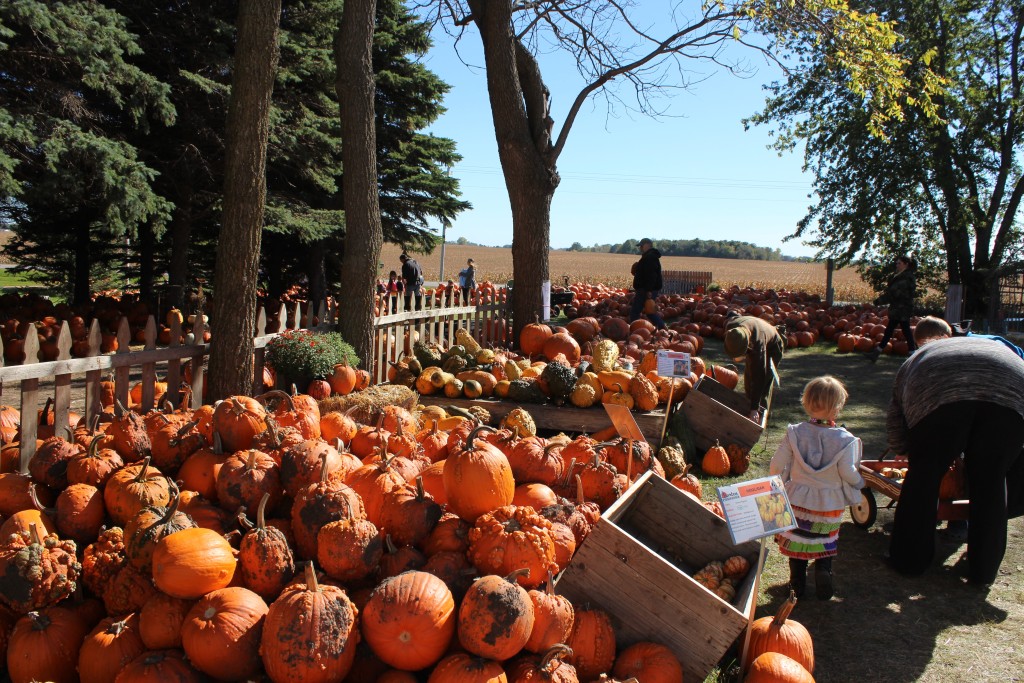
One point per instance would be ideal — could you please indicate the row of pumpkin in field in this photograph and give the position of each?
(187, 530)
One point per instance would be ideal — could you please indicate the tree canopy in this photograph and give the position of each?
(946, 183)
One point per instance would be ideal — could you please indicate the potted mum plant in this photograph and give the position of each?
(300, 356)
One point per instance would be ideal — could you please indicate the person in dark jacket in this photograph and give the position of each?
(412, 274)
(957, 395)
(899, 296)
(757, 344)
(647, 284)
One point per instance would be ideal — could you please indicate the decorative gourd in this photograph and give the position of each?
(648, 662)
(496, 617)
(102, 559)
(614, 380)
(520, 422)
(618, 397)
(265, 559)
(38, 570)
(716, 461)
(592, 642)
(774, 667)
(511, 538)
(783, 635)
(221, 633)
(111, 646)
(606, 352)
(644, 393)
(409, 620)
(477, 478)
(192, 562)
(736, 567)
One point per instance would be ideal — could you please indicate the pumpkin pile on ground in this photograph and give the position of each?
(260, 538)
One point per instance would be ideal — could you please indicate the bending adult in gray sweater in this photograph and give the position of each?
(952, 396)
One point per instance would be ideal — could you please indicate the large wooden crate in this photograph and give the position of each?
(715, 412)
(636, 565)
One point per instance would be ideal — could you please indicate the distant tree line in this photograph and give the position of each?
(695, 247)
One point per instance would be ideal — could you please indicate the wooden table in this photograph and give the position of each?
(565, 418)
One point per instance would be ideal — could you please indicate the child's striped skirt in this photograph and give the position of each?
(815, 536)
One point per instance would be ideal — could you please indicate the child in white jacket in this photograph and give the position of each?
(818, 462)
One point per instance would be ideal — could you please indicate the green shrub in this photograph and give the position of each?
(301, 355)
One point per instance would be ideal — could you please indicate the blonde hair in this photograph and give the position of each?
(824, 396)
(930, 328)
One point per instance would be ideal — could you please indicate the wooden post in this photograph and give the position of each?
(174, 366)
(122, 375)
(62, 385)
(29, 402)
(198, 371)
(830, 293)
(148, 397)
(668, 409)
(93, 377)
(259, 355)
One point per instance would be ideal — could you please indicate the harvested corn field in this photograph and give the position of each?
(495, 264)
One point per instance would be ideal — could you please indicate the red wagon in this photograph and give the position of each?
(886, 477)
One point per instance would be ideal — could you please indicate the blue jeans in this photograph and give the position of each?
(638, 307)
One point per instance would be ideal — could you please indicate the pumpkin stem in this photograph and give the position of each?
(143, 469)
(475, 434)
(40, 622)
(95, 423)
(784, 611)
(261, 520)
(557, 651)
(94, 444)
(389, 545)
(421, 493)
(218, 444)
(523, 571)
(121, 410)
(279, 395)
(172, 507)
(250, 462)
(580, 500)
(311, 583)
(35, 501)
(568, 472)
(323, 469)
(33, 533)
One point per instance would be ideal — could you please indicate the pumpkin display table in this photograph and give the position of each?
(564, 418)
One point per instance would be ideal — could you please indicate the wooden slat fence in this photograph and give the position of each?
(684, 281)
(483, 314)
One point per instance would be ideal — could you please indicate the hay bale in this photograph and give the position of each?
(363, 406)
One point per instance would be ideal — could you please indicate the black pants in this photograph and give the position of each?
(891, 327)
(990, 437)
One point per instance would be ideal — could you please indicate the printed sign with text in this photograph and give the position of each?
(673, 363)
(756, 508)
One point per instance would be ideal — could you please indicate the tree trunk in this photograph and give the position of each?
(177, 266)
(317, 273)
(525, 150)
(245, 190)
(147, 255)
(81, 288)
(363, 232)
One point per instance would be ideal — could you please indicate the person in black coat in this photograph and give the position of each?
(899, 296)
(647, 284)
(412, 274)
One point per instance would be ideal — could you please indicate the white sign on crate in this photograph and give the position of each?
(756, 508)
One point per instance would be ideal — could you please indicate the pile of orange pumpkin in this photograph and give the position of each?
(261, 538)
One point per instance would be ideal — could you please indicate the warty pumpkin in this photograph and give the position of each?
(592, 642)
(245, 477)
(409, 513)
(349, 549)
(534, 460)
(550, 668)
(132, 488)
(49, 464)
(145, 529)
(96, 465)
(409, 620)
(496, 617)
(160, 621)
(38, 570)
(265, 559)
(325, 501)
(716, 461)
(510, 538)
(553, 619)
(302, 464)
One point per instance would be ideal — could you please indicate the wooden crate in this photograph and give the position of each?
(636, 565)
(565, 418)
(715, 412)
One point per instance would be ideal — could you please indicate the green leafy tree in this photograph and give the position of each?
(948, 190)
(70, 186)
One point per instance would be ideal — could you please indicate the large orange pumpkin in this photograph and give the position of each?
(496, 617)
(111, 646)
(533, 337)
(221, 634)
(477, 478)
(773, 667)
(409, 620)
(44, 646)
(648, 662)
(783, 635)
(238, 419)
(193, 562)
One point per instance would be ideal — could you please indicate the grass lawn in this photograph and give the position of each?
(881, 626)
(9, 278)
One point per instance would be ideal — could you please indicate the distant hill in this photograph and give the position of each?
(696, 247)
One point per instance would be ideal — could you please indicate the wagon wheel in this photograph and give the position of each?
(865, 512)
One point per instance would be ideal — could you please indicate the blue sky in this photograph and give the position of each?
(692, 174)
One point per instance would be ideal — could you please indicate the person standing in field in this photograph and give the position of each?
(899, 296)
(818, 463)
(647, 284)
(467, 277)
(757, 344)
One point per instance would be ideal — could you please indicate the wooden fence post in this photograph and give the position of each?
(122, 374)
(62, 385)
(93, 405)
(148, 397)
(29, 400)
